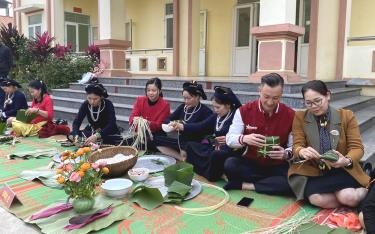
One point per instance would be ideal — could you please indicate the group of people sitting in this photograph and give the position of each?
(230, 140)
(12, 100)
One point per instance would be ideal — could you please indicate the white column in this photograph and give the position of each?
(276, 34)
(112, 18)
(57, 21)
(112, 43)
(189, 16)
(277, 12)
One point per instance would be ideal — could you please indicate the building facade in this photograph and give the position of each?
(300, 39)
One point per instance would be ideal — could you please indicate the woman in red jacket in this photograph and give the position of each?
(151, 107)
(41, 107)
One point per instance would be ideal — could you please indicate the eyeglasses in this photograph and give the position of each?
(316, 102)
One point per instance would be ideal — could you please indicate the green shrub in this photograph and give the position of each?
(37, 59)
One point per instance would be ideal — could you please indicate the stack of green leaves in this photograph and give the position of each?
(182, 172)
(177, 192)
(178, 179)
(146, 197)
(269, 143)
(6, 139)
(38, 153)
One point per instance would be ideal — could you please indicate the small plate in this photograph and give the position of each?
(56, 158)
(158, 182)
(155, 163)
(166, 128)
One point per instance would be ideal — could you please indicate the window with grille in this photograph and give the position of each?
(34, 25)
(77, 31)
(169, 25)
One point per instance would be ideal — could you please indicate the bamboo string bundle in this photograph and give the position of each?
(140, 130)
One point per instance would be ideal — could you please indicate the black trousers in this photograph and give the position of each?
(269, 180)
(368, 209)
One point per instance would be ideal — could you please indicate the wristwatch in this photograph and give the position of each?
(350, 164)
(288, 155)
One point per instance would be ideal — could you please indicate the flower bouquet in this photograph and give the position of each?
(80, 179)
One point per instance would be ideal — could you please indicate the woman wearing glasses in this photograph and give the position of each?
(208, 157)
(192, 111)
(317, 130)
(100, 114)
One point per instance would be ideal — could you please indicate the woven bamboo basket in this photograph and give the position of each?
(117, 169)
(105, 146)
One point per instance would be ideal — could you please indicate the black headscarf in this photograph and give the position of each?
(225, 95)
(194, 89)
(97, 89)
(9, 82)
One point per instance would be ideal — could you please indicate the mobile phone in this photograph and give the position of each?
(245, 201)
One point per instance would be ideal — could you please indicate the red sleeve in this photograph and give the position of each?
(49, 108)
(45, 105)
(155, 125)
(136, 110)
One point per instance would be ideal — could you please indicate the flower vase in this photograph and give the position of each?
(83, 204)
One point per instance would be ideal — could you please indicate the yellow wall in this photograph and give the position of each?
(327, 40)
(362, 21)
(89, 7)
(149, 30)
(219, 36)
(148, 23)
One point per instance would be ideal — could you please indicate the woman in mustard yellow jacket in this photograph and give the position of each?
(319, 129)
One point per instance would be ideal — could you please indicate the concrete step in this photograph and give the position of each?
(74, 103)
(233, 83)
(127, 99)
(293, 100)
(354, 103)
(70, 113)
(365, 118)
(365, 115)
(368, 137)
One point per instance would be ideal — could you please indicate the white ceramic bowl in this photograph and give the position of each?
(166, 128)
(117, 188)
(138, 174)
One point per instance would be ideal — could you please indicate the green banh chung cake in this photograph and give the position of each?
(270, 142)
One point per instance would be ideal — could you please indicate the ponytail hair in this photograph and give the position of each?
(39, 85)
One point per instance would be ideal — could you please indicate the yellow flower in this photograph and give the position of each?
(105, 170)
(85, 166)
(80, 152)
(86, 149)
(81, 173)
(60, 179)
(59, 171)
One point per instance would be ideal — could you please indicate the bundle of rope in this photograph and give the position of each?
(140, 130)
(209, 210)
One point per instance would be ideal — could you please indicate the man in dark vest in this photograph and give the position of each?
(5, 65)
(264, 171)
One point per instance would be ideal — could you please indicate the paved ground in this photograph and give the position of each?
(10, 224)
